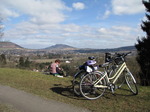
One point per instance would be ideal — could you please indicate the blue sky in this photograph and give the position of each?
(78, 23)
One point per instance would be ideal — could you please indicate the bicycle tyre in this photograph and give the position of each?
(131, 82)
(76, 82)
(87, 88)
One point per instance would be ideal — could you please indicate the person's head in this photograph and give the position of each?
(57, 61)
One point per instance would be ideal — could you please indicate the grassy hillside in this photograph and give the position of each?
(59, 89)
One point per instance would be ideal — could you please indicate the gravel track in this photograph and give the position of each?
(26, 102)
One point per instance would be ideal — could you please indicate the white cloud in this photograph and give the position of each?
(6, 12)
(107, 13)
(122, 35)
(120, 7)
(33, 32)
(71, 28)
(38, 11)
(31, 35)
(102, 30)
(78, 6)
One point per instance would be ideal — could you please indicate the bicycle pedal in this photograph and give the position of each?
(112, 90)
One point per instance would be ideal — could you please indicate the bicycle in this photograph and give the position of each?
(92, 87)
(86, 68)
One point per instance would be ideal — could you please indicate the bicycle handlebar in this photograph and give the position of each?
(122, 54)
(114, 57)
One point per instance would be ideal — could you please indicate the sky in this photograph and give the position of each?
(96, 24)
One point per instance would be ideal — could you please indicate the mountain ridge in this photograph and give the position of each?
(125, 48)
(10, 45)
(65, 48)
(60, 47)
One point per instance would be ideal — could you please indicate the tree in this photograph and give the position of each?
(21, 62)
(143, 48)
(27, 62)
(3, 59)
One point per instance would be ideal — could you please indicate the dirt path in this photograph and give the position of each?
(26, 102)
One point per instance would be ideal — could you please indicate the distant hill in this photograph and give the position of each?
(60, 47)
(9, 45)
(67, 48)
(126, 48)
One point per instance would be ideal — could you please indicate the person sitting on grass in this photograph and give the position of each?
(55, 70)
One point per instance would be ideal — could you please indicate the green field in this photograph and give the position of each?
(59, 89)
(44, 60)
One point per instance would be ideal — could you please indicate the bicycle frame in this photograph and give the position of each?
(112, 79)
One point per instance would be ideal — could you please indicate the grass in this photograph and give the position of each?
(44, 60)
(59, 89)
(7, 108)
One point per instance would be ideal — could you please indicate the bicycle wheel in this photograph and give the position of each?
(131, 82)
(76, 82)
(87, 88)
